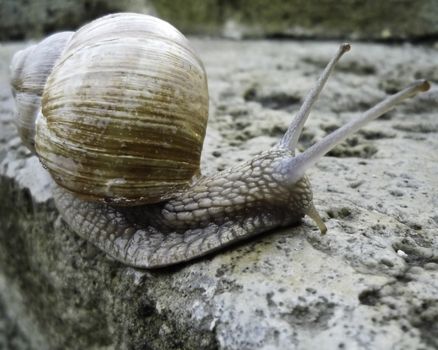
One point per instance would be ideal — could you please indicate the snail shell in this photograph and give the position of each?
(29, 71)
(124, 111)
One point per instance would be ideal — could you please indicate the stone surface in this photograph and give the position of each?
(371, 282)
(353, 19)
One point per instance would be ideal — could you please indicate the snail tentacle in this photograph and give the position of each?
(293, 133)
(298, 165)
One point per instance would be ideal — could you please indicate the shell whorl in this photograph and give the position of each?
(29, 70)
(124, 111)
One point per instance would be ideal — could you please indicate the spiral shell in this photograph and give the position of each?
(124, 111)
(29, 71)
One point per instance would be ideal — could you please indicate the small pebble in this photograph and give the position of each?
(402, 253)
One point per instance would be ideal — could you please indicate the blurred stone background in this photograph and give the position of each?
(352, 19)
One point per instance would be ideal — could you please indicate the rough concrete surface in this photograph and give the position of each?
(370, 283)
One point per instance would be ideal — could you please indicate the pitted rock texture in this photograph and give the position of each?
(370, 283)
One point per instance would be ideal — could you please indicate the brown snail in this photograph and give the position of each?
(121, 108)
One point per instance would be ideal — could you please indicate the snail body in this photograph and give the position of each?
(124, 108)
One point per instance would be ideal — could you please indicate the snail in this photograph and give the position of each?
(117, 113)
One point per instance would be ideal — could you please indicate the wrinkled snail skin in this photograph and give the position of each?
(171, 222)
(214, 212)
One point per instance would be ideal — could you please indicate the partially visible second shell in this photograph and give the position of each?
(124, 111)
(30, 68)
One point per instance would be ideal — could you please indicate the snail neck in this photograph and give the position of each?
(249, 189)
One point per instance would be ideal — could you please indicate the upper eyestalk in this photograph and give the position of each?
(296, 167)
(290, 138)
